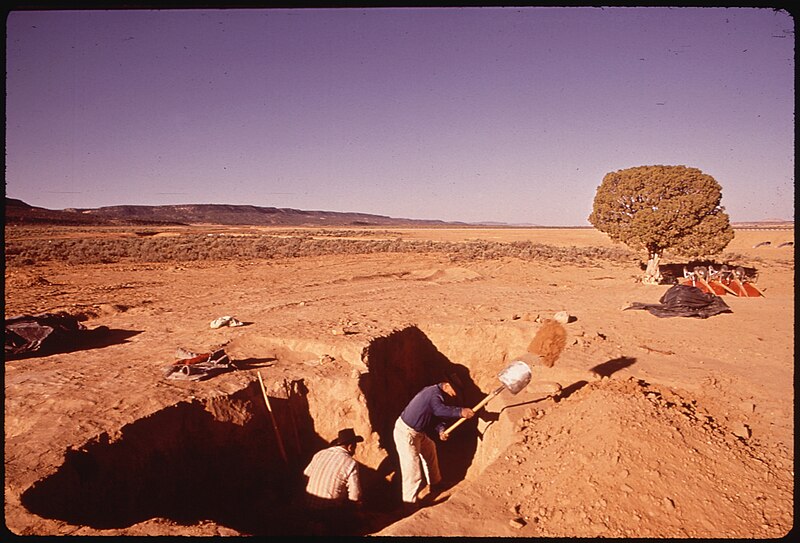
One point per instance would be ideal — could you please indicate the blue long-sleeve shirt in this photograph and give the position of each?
(428, 403)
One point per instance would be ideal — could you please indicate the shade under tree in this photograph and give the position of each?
(655, 208)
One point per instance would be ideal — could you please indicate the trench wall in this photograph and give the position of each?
(221, 459)
(189, 462)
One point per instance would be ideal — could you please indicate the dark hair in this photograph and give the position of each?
(453, 379)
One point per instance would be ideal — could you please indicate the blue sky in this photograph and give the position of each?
(460, 114)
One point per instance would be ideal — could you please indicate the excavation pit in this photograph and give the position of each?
(221, 460)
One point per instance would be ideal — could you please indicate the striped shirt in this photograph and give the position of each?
(332, 478)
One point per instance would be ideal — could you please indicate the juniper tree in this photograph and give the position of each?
(656, 208)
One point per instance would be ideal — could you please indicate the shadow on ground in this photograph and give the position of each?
(194, 462)
(83, 340)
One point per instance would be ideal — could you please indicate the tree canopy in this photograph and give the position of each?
(663, 207)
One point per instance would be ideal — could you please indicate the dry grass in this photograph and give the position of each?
(29, 250)
(29, 246)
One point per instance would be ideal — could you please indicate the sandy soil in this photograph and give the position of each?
(677, 427)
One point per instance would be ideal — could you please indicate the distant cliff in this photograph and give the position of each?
(18, 212)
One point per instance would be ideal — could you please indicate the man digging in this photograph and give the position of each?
(416, 451)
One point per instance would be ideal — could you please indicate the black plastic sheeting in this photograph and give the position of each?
(685, 301)
(45, 333)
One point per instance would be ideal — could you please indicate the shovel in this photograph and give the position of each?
(514, 377)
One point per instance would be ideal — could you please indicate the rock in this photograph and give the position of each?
(326, 359)
(227, 320)
(562, 317)
(741, 430)
(547, 387)
(220, 322)
(517, 523)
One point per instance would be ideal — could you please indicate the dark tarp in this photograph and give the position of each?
(44, 333)
(685, 301)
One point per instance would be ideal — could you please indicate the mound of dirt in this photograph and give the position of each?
(446, 275)
(620, 459)
(26, 280)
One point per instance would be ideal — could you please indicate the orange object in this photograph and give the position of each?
(747, 289)
(713, 287)
(702, 285)
(719, 284)
(194, 360)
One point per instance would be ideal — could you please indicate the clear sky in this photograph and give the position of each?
(460, 114)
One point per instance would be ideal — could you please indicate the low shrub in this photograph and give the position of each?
(197, 247)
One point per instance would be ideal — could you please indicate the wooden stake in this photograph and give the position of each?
(294, 420)
(274, 422)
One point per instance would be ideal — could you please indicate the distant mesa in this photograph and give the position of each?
(765, 224)
(19, 212)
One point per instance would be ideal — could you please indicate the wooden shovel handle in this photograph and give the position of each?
(743, 285)
(475, 409)
(757, 289)
(274, 422)
(703, 282)
(743, 290)
(727, 288)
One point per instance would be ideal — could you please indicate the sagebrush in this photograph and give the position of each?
(195, 247)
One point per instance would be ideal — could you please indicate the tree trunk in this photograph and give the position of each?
(652, 275)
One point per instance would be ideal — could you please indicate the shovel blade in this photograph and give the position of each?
(515, 376)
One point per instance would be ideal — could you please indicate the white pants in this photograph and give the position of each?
(417, 454)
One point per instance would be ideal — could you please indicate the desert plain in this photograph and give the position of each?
(664, 427)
